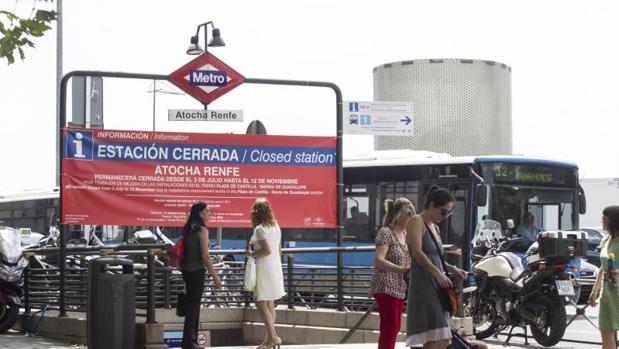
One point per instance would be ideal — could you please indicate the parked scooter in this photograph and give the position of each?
(12, 265)
(507, 295)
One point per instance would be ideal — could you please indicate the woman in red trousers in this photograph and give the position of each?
(392, 261)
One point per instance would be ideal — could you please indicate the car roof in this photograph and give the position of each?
(596, 230)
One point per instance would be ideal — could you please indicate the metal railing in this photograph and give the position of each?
(158, 284)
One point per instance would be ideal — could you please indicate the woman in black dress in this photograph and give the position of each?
(427, 323)
(196, 256)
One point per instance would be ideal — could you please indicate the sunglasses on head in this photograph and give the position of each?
(445, 212)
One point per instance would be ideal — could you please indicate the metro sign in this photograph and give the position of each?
(206, 78)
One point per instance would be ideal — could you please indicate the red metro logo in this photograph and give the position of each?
(206, 78)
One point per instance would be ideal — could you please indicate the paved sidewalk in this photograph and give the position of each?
(579, 330)
(15, 340)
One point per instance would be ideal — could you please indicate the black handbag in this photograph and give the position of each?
(447, 296)
(181, 304)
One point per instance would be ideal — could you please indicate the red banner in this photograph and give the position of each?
(153, 178)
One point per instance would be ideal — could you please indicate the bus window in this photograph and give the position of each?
(394, 190)
(546, 217)
(567, 215)
(552, 208)
(29, 209)
(453, 228)
(357, 223)
(457, 221)
(5, 214)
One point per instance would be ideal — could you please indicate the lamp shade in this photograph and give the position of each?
(194, 47)
(216, 40)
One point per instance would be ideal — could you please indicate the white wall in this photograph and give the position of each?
(600, 193)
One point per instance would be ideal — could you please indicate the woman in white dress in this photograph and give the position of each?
(265, 243)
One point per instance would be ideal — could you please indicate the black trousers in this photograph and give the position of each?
(194, 286)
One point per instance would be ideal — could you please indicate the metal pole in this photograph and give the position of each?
(62, 260)
(166, 283)
(340, 197)
(206, 37)
(62, 247)
(27, 290)
(58, 76)
(154, 102)
(290, 281)
(358, 324)
(150, 280)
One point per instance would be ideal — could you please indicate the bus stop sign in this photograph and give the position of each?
(206, 78)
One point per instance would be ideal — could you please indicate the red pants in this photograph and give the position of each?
(390, 313)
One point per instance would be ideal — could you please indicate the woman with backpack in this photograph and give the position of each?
(195, 257)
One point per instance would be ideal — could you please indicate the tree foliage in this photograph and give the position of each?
(17, 32)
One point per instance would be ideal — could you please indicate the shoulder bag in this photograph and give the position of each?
(176, 253)
(249, 277)
(449, 295)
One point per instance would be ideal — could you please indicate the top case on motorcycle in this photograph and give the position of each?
(562, 244)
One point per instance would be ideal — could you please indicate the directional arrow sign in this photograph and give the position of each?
(378, 118)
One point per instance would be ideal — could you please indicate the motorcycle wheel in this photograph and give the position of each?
(8, 316)
(554, 320)
(483, 329)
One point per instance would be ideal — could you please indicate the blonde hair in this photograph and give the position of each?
(262, 213)
(394, 209)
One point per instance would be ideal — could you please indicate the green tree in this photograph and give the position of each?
(17, 32)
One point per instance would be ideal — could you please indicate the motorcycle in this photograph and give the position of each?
(12, 265)
(506, 295)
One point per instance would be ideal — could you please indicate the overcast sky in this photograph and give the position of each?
(564, 56)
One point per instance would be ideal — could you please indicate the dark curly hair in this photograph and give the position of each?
(612, 213)
(262, 213)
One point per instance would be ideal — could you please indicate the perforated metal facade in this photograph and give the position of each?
(461, 106)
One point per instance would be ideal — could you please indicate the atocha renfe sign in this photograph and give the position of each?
(204, 115)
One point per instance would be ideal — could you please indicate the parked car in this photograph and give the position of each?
(585, 280)
(595, 235)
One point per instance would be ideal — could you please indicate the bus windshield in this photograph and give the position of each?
(527, 197)
(551, 208)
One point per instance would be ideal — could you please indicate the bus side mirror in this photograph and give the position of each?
(582, 201)
(481, 194)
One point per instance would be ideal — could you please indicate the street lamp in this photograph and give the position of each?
(195, 49)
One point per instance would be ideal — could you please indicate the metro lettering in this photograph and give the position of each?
(208, 78)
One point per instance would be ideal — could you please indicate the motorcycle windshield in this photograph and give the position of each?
(487, 232)
(10, 245)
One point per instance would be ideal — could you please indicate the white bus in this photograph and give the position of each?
(34, 209)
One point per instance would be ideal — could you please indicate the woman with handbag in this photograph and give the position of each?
(269, 276)
(392, 260)
(196, 256)
(427, 320)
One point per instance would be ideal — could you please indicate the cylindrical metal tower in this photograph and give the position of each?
(461, 106)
